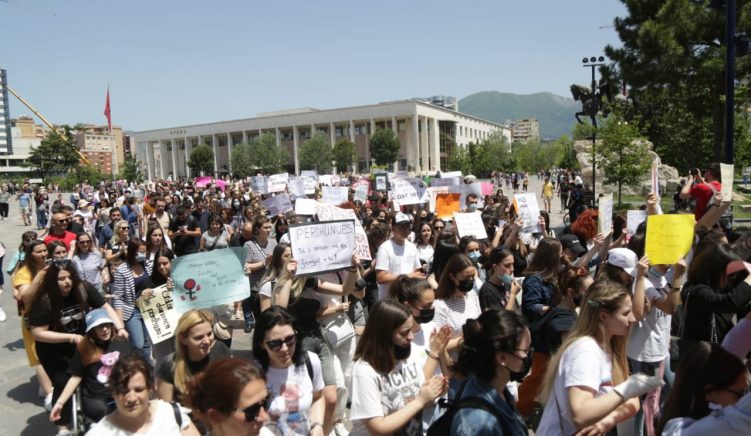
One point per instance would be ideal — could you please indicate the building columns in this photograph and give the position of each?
(230, 145)
(398, 157)
(351, 131)
(150, 160)
(162, 160)
(435, 144)
(332, 134)
(215, 147)
(187, 157)
(371, 131)
(278, 135)
(415, 137)
(295, 144)
(424, 150)
(173, 146)
(245, 137)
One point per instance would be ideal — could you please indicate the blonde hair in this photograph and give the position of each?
(603, 295)
(116, 238)
(188, 320)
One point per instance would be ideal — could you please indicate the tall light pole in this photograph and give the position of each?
(594, 62)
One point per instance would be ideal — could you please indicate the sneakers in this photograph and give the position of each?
(340, 429)
(48, 402)
(3, 317)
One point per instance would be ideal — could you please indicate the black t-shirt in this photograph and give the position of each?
(70, 318)
(166, 370)
(492, 296)
(547, 332)
(238, 240)
(95, 376)
(183, 244)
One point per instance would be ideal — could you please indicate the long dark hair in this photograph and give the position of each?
(493, 331)
(376, 345)
(704, 365)
(50, 291)
(28, 259)
(458, 263)
(546, 261)
(269, 319)
(709, 266)
(156, 277)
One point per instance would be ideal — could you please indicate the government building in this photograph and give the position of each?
(427, 132)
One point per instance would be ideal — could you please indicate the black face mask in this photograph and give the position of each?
(425, 316)
(518, 376)
(466, 285)
(402, 353)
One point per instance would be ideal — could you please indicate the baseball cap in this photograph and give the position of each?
(623, 258)
(571, 243)
(97, 317)
(82, 204)
(401, 218)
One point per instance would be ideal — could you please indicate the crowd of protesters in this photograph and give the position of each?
(560, 329)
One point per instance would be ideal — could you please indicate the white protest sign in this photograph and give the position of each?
(159, 314)
(381, 182)
(335, 194)
(309, 184)
(726, 175)
(259, 184)
(322, 246)
(325, 180)
(403, 193)
(633, 219)
(470, 224)
(327, 212)
(296, 187)
(605, 214)
(361, 192)
(529, 211)
(419, 186)
(655, 176)
(401, 174)
(278, 182)
(277, 204)
(305, 206)
(313, 174)
(450, 174)
(452, 181)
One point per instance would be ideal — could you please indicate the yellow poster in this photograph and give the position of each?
(669, 237)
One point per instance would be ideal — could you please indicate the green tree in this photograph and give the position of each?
(492, 154)
(622, 153)
(459, 160)
(131, 170)
(672, 59)
(201, 160)
(266, 156)
(315, 154)
(344, 155)
(242, 161)
(384, 146)
(566, 153)
(55, 155)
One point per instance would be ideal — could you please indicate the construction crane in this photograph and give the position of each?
(84, 159)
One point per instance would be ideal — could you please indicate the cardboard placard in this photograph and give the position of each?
(403, 193)
(309, 184)
(277, 204)
(327, 212)
(430, 194)
(312, 174)
(322, 246)
(528, 210)
(278, 182)
(470, 224)
(726, 175)
(159, 314)
(655, 176)
(633, 219)
(259, 184)
(335, 195)
(209, 278)
(451, 174)
(669, 237)
(361, 193)
(305, 206)
(605, 214)
(296, 187)
(451, 181)
(446, 204)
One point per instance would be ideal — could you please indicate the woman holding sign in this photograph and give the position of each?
(259, 249)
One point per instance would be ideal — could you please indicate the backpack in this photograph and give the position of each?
(442, 425)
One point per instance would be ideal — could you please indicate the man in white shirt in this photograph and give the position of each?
(397, 256)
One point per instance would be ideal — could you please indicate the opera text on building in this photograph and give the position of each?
(427, 132)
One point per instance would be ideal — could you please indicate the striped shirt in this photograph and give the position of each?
(124, 290)
(455, 311)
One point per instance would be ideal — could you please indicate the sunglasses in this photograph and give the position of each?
(84, 242)
(122, 228)
(251, 412)
(276, 344)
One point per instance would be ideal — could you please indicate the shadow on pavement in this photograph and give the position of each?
(14, 346)
(26, 393)
(39, 424)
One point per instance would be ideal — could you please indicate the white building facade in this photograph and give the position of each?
(426, 132)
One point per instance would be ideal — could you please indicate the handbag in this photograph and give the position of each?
(338, 330)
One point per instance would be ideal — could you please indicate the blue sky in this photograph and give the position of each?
(171, 63)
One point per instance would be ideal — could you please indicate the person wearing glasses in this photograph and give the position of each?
(131, 386)
(56, 317)
(293, 376)
(58, 232)
(117, 245)
(195, 348)
(231, 398)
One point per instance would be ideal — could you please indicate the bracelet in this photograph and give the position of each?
(675, 288)
(314, 425)
(431, 355)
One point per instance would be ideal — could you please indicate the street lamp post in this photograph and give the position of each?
(594, 62)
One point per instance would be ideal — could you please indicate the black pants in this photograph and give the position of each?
(4, 210)
(96, 408)
(54, 359)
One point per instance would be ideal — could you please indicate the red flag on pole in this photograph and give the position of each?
(107, 110)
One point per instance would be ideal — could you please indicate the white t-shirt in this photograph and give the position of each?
(421, 341)
(650, 337)
(375, 395)
(163, 422)
(292, 395)
(396, 259)
(583, 364)
(328, 300)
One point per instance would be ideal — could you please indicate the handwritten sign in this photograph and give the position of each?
(159, 314)
(633, 219)
(309, 184)
(726, 175)
(361, 192)
(277, 204)
(430, 194)
(327, 212)
(305, 206)
(605, 214)
(278, 182)
(335, 194)
(296, 187)
(446, 205)
(322, 246)
(209, 278)
(528, 210)
(259, 184)
(403, 193)
(312, 174)
(470, 224)
(669, 237)
(451, 181)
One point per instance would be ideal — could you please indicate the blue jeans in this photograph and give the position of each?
(247, 305)
(41, 218)
(138, 335)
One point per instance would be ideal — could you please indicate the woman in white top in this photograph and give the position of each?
(586, 385)
(132, 384)
(456, 301)
(425, 241)
(279, 259)
(389, 389)
(217, 235)
(293, 376)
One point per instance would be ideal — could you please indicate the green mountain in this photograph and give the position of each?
(555, 113)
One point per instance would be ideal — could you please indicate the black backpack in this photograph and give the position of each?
(442, 425)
